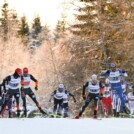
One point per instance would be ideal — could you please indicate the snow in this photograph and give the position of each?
(66, 126)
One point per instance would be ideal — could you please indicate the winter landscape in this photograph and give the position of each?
(57, 56)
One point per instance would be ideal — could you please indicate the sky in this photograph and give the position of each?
(49, 10)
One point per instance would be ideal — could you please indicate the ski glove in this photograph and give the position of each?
(36, 88)
(49, 100)
(84, 97)
(22, 88)
(74, 100)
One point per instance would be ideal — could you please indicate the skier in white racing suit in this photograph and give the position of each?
(95, 87)
(131, 101)
(65, 102)
(14, 82)
(57, 95)
(125, 86)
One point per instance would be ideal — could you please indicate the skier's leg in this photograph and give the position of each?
(120, 101)
(125, 100)
(87, 101)
(109, 104)
(114, 103)
(55, 105)
(10, 107)
(104, 105)
(131, 107)
(120, 95)
(17, 97)
(96, 100)
(60, 102)
(106, 108)
(23, 97)
(118, 106)
(65, 106)
(33, 97)
(5, 102)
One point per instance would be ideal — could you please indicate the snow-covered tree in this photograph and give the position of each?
(36, 26)
(23, 27)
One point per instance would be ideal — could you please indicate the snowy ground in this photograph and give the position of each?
(66, 126)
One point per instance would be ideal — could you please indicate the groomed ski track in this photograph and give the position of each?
(66, 126)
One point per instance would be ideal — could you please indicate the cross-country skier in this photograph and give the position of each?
(125, 86)
(26, 90)
(3, 96)
(0, 95)
(14, 81)
(130, 97)
(65, 102)
(117, 95)
(106, 99)
(0, 90)
(58, 98)
(94, 88)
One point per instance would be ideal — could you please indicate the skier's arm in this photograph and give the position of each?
(72, 96)
(101, 90)
(22, 82)
(111, 95)
(0, 90)
(122, 72)
(129, 87)
(126, 99)
(52, 94)
(106, 73)
(83, 90)
(33, 79)
(5, 82)
(36, 82)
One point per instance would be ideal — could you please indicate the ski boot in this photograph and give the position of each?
(126, 110)
(65, 115)
(25, 113)
(105, 113)
(95, 116)
(77, 117)
(114, 113)
(118, 114)
(18, 113)
(10, 114)
(43, 112)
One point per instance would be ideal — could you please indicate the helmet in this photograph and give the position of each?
(25, 70)
(107, 81)
(18, 71)
(94, 78)
(112, 65)
(122, 77)
(61, 87)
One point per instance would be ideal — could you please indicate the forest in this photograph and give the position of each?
(103, 32)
